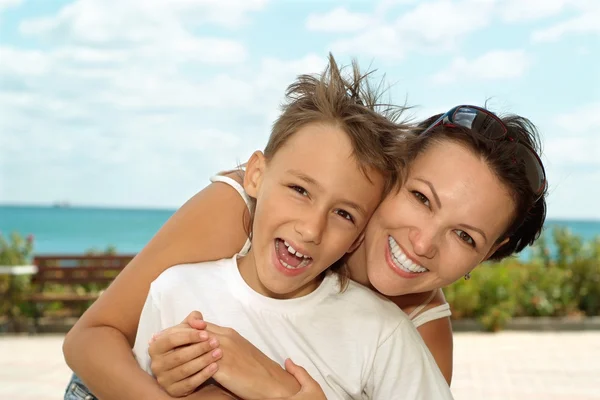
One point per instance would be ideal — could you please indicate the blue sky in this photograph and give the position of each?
(136, 103)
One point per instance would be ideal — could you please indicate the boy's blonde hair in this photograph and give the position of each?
(350, 103)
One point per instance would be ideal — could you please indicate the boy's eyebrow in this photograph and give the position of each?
(302, 176)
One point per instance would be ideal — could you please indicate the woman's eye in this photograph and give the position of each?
(465, 237)
(299, 189)
(345, 214)
(421, 197)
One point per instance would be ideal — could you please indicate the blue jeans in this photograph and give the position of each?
(76, 390)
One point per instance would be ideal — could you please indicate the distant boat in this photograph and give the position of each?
(61, 204)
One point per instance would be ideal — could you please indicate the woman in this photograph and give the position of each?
(475, 191)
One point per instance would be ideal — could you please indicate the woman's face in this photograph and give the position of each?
(442, 223)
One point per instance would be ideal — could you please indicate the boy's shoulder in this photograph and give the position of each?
(369, 305)
(177, 276)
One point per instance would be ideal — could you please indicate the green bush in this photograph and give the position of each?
(14, 250)
(563, 283)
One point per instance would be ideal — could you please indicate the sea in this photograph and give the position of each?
(68, 229)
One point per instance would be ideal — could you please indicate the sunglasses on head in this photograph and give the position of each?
(488, 125)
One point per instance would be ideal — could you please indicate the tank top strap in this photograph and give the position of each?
(437, 312)
(417, 310)
(240, 189)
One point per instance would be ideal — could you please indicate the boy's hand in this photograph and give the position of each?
(184, 356)
(246, 371)
(310, 388)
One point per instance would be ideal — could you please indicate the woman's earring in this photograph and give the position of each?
(467, 276)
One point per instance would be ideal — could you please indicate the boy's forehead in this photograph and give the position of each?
(322, 157)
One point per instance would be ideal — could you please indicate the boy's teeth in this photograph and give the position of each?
(293, 251)
(401, 260)
(288, 266)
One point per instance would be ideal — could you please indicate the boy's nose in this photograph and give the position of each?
(311, 227)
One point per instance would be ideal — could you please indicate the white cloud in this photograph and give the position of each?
(584, 119)
(130, 122)
(144, 28)
(102, 20)
(586, 22)
(4, 4)
(574, 141)
(575, 150)
(494, 65)
(338, 20)
(573, 194)
(126, 96)
(519, 10)
(431, 26)
(441, 25)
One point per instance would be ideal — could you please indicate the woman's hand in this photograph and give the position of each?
(184, 356)
(246, 371)
(310, 388)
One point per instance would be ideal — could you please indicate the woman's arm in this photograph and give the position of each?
(98, 348)
(437, 335)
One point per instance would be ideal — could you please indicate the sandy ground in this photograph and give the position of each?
(508, 365)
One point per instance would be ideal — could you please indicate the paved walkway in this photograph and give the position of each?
(506, 366)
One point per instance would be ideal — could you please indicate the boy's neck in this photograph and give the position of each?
(248, 271)
(357, 266)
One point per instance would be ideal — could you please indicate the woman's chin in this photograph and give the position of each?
(389, 285)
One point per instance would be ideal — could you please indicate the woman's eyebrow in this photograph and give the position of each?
(474, 229)
(435, 195)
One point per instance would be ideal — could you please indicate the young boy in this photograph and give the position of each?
(323, 173)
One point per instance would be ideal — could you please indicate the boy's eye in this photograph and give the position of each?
(421, 197)
(465, 237)
(345, 214)
(299, 189)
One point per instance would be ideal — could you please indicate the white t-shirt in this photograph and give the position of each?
(417, 316)
(356, 344)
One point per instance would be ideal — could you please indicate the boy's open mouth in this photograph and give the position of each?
(289, 257)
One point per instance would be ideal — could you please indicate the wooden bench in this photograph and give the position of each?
(72, 273)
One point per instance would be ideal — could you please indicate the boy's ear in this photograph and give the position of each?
(255, 169)
(357, 242)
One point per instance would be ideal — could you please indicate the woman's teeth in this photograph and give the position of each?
(401, 260)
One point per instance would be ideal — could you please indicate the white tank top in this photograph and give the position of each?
(417, 317)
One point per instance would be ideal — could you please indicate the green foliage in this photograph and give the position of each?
(565, 282)
(14, 250)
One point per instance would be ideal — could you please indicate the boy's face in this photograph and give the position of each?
(313, 203)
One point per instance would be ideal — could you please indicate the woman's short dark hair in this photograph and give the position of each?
(500, 155)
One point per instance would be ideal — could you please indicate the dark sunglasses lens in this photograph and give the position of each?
(485, 123)
(533, 169)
